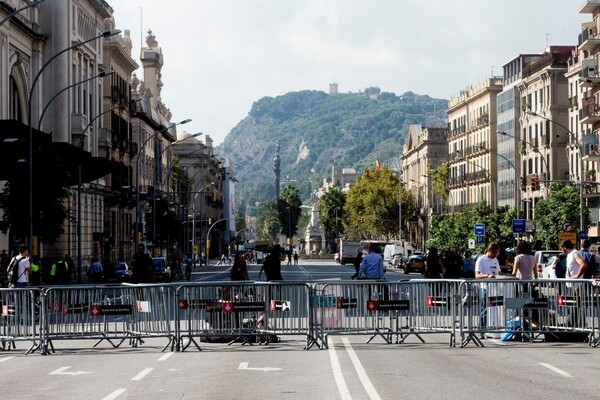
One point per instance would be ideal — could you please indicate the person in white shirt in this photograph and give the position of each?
(487, 265)
(576, 265)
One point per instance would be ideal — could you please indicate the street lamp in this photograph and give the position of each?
(15, 12)
(30, 127)
(100, 75)
(534, 148)
(137, 172)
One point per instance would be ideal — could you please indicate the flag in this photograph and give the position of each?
(377, 164)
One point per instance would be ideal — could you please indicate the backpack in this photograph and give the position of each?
(12, 270)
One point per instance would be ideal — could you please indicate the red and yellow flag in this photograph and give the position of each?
(377, 164)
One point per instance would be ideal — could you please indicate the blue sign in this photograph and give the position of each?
(518, 226)
(479, 229)
(479, 240)
(582, 235)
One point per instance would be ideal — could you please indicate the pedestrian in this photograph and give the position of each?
(468, 265)
(560, 265)
(357, 261)
(435, 269)
(143, 267)
(590, 259)
(289, 257)
(4, 261)
(576, 265)
(486, 267)
(295, 258)
(272, 265)
(97, 270)
(525, 266)
(70, 268)
(188, 268)
(60, 271)
(575, 269)
(223, 260)
(453, 264)
(35, 278)
(371, 265)
(239, 270)
(23, 267)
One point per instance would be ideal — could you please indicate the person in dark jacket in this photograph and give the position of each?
(272, 264)
(142, 266)
(357, 262)
(434, 264)
(453, 264)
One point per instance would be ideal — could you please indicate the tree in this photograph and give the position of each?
(289, 210)
(267, 221)
(439, 181)
(331, 213)
(454, 230)
(562, 205)
(372, 208)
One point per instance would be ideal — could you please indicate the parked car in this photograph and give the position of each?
(415, 263)
(160, 269)
(117, 272)
(542, 258)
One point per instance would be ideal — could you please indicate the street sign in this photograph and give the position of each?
(471, 243)
(195, 249)
(479, 239)
(567, 236)
(518, 226)
(582, 235)
(479, 229)
(567, 227)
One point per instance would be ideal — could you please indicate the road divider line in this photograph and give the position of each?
(337, 373)
(142, 374)
(163, 358)
(557, 370)
(362, 374)
(6, 358)
(115, 394)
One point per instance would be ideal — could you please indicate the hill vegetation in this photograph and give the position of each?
(315, 131)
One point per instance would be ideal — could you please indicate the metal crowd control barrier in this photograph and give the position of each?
(21, 314)
(241, 311)
(111, 313)
(526, 310)
(385, 309)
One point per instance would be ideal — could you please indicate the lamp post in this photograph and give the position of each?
(208, 235)
(100, 75)
(30, 128)
(137, 173)
(535, 148)
(15, 12)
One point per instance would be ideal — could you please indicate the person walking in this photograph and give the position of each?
(35, 279)
(23, 267)
(371, 266)
(487, 267)
(239, 270)
(97, 270)
(295, 258)
(272, 265)
(435, 269)
(468, 270)
(590, 259)
(453, 264)
(576, 267)
(525, 266)
(143, 268)
(61, 271)
(357, 261)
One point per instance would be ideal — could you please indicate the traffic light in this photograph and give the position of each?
(533, 183)
(523, 183)
(210, 221)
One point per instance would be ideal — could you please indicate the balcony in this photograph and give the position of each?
(589, 77)
(590, 152)
(589, 114)
(588, 39)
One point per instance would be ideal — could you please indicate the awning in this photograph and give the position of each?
(13, 155)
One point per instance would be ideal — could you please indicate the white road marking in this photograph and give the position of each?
(6, 358)
(244, 365)
(63, 371)
(337, 374)
(557, 370)
(362, 374)
(163, 358)
(115, 394)
(142, 374)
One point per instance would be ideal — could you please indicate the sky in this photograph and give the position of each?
(220, 56)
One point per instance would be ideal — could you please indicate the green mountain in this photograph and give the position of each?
(315, 131)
